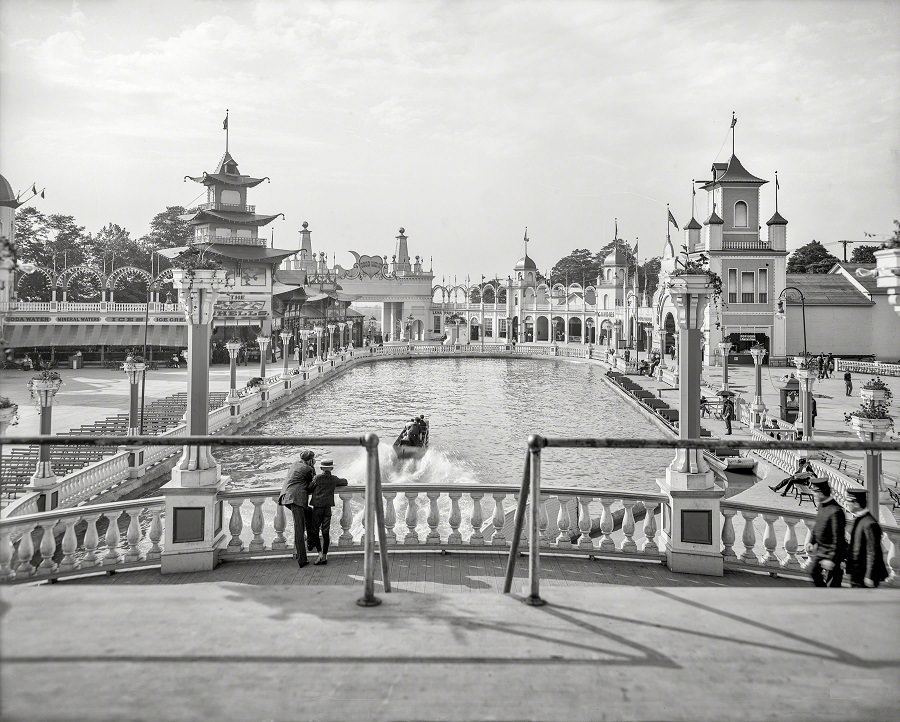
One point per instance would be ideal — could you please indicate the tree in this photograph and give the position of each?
(580, 266)
(811, 258)
(864, 254)
(648, 275)
(53, 242)
(167, 230)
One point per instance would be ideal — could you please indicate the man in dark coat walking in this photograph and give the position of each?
(295, 496)
(827, 546)
(323, 487)
(865, 558)
(728, 414)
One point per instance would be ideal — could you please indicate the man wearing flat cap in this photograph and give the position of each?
(865, 558)
(827, 545)
(295, 496)
(323, 487)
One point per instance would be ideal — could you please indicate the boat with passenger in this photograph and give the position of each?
(731, 460)
(412, 443)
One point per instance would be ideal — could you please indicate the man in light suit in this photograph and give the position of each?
(295, 496)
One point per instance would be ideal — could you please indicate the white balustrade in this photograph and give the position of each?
(59, 532)
(875, 368)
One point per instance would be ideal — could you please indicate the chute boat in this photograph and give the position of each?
(730, 459)
(412, 443)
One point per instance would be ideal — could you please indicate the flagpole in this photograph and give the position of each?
(733, 123)
(226, 130)
(776, 192)
(693, 196)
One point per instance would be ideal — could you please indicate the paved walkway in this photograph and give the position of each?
(229, 651)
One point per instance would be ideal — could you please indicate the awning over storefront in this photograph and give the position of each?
(75, 336)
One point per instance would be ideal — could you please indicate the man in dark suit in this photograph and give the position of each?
(865, 558)
(827, 545)
(295, 496)
(323, 487)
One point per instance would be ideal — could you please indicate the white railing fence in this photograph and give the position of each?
(875, 368)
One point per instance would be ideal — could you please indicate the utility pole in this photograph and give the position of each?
(845, 244)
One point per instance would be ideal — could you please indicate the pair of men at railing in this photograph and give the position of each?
(310, 498)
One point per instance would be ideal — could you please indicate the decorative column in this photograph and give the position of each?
(319, 329)
(330, 346)
(873, 428)
(193, 510)
(806, 374)
(692, 527)
(285, 337)
(43, 388)
(304, 347)
(233, 347)
(341, 327)
(263, 343)
(758, 408)
(135, 370)
(724, 349)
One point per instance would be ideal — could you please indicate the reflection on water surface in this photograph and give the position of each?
(481, 412)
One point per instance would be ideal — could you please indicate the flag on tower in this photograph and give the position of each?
(777, 184)
(225, 122)
(34, 188)
(733, 120)
(42, 193)
(672, 220)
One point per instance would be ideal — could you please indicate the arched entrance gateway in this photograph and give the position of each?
(574, 329)
(543, 326)
(669, 338)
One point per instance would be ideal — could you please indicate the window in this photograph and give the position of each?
(489, 327)
(763, 285)
(740, 214)
(437, 324)
(732, 285)
(502, 326)
(747, 290)
(231, 198)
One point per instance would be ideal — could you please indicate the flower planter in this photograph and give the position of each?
(861, 425)
(690, 295)
(878, 396)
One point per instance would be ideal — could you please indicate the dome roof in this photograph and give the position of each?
(776, 220)
(693, 225)
(525, 264)
(714, 220)
(7, 197)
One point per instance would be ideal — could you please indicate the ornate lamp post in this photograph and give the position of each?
(319, 329)
(691, 521)
(373, 322)
(330, 346)
(233, 347)
(263, 343)
(725, 349)
(408, 325)
(43, 388)
(305, 333)
(135, 368)
(873, 427)
(285, 337)
(758, 409)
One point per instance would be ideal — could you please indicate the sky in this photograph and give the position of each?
(463, 122)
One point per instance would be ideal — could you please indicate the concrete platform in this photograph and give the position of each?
(228, 651)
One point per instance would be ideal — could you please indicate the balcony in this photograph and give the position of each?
(232, 240)
(234, 207)
(745, 245)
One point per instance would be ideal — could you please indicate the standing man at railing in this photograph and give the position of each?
(827, 545)
(295, 496)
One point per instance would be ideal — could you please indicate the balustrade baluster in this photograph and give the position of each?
(346, 538)
(7, 552)
(749, 538)
(25, 553)
(390, 517)
(790, 544)
(48, 548)
(770, 541)
(279, 522)
(543, 521)
(257, 523)
(477, 538)
(584, 523)
(155, 534)
(434, 536)
(235, 526)
(498, 520)
(91, 542)
(809, 524)
(133, 536)
(564, 523)
(629, 544)
(411, 515)
(650, 546)
(893, 559)
(606, 526)
(455, 518)
(112, 538)
(728, 534)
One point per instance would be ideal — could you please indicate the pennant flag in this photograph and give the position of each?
(777, 184)
(673, 221)
(733, 120)
(225, 123)
(526, 234)
(42, 193)
(616, 236)
(634, 251)
(34, 188)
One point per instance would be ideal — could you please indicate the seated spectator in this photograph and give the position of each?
(804, 472)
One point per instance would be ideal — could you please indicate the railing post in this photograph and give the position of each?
(535, 443)
(368, 599)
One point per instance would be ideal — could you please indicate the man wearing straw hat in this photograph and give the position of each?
(827, 545)
(322, 499)
(865, 558)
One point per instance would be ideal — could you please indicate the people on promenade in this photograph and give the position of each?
(848, 383)
(295, 495)
(804, 472)
(813, 413)
(322, 499)
(865, 558)
(827, 545)
(829, 365)
(728, 414)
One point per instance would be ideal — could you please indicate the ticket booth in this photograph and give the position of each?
(789, 394)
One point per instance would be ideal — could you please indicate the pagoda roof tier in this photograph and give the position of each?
(211, 179)
(237, 217)
(236, 252)
(735, 173)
